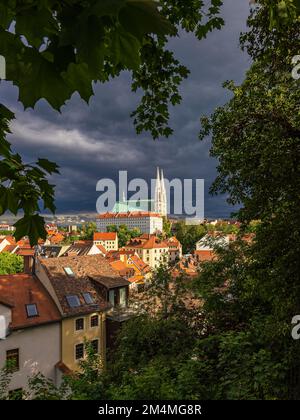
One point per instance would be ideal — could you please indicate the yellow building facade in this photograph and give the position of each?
(78, 330)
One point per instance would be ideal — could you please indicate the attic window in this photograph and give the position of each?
(73, 301)
(88, 298)
(69, 272)
(31, 310)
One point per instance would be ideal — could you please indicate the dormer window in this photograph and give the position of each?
(31, 310)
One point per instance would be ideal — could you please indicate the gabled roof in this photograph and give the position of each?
(151, 243)
(50, 251)
(87, 270)
(102, 249)
(204, 255)
(10, 239)
(122, 268)
(19, 290)
(79, 249)
(11, 249)
(173, 242)
(105, 236)
(136, 279)
(23, 252)
(139, 263)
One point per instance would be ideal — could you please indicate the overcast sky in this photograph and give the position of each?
(96, 141)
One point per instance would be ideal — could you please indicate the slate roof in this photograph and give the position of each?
(88, 270)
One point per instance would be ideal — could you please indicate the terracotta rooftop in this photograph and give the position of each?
(173, 242)
(205, 255)
(129, 215)
(25, 252)
(19, 290)
(102, 249)
(140, 264)
(152, 242)
(10, 248)
(105, 236)
(136, 279)
(87, 270)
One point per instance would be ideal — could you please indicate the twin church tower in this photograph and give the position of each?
(159, 204)
(160, 199)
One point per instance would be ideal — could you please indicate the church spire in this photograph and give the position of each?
(160, 194)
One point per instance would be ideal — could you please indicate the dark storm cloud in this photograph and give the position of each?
(96, 141)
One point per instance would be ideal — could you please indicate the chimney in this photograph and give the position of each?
(28, 264)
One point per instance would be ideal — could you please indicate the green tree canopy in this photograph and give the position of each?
(10, 263)
(251, 293)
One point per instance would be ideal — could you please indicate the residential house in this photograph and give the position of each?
(82, 248)
(150, 249)
(109, 240)
(86, 289)
(30, 334)
(8, 244)
(175, 249)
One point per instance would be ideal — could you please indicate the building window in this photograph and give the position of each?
(112, 297)
(95, 346)
(12, 359)
(79, 351)
(94, 321)
(79, 324)
(73, 301)
(88, 298)
(69, 272)
(31, 310)
(122, 294)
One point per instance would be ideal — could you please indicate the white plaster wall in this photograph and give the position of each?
(5, 319)
(39, 351)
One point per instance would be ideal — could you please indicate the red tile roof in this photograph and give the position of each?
(10, 248)
(128, 215)
(105, 236)
(152, 242)
(139, 263)
(173, 242)
(25, 252)
(102, 249)
(136, 279)
(205, 255)
(19, 290)
(9, 239)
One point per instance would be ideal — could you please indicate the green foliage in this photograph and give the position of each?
(188, 235)
(5, 378)
(124, 233)
(5, 232)
(154, 347)
(10, 263)
(282, 12)
(252, 291)
(89, 383)
(167, 228)
(88, 230)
